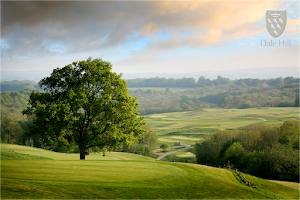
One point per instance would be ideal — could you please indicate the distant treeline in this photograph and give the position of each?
(260, 149)
(202, 81)
(221, 96)
(171, 82)
(18, 85)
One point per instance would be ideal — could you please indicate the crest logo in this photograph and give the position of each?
(276, 22)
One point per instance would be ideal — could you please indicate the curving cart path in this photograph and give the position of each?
(160, 157)
(256, 118)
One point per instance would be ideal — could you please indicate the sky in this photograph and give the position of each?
(147, 36)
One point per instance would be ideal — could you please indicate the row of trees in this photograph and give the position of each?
(261, 150)
(222, 96)
(202, 82)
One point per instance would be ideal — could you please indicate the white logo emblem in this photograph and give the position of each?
(275, 22)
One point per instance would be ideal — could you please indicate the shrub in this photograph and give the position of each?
(164, 146)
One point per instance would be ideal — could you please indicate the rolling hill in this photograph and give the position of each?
(28, 172)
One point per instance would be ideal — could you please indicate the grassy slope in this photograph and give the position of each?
(190, 127)
(70, 156)
(288, 184)
(122, 175)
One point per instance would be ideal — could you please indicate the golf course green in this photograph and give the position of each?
(28, 172)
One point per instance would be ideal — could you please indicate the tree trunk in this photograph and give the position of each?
(82, 154)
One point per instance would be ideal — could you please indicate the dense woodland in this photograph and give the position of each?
(202, 82)
(261, 150)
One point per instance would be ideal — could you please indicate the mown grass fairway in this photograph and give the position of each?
(288, 184)
(190, 127)
(121, 175)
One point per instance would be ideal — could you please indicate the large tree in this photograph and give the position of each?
(87, 103)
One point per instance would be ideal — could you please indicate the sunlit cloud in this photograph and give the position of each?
(132, 32)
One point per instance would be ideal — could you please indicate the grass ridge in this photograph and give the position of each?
(125, 176)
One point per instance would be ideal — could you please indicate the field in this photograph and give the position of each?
(190, 127)
(28, 172)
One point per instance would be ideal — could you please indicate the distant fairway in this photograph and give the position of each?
(121, 175)
(190, 127)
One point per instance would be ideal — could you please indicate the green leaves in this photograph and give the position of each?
(88, 103)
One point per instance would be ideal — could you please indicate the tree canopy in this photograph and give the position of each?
(85, 103)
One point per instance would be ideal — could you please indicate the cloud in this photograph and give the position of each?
(293, 27)
(49, 29)
(77, 27)
(212, 23)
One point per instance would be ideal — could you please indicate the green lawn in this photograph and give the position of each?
(28, 174)
(288, 184)
(190, 127)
